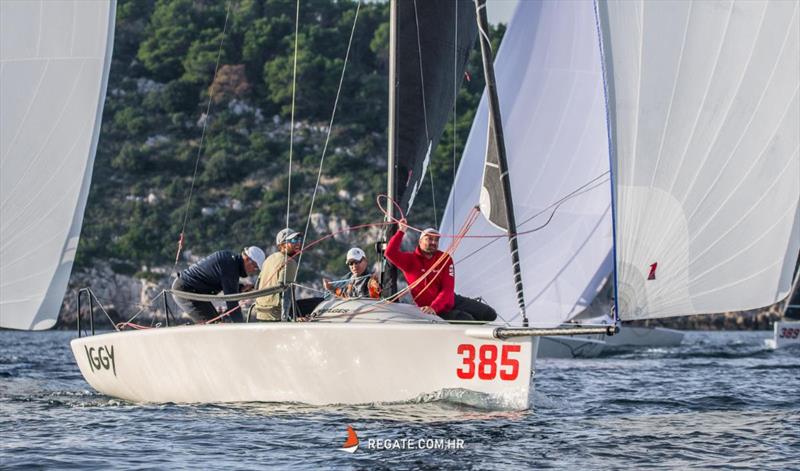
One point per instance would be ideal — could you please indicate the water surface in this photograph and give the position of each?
(720, 400)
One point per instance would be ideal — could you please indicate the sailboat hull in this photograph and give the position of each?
(315, 363)
(786, 334)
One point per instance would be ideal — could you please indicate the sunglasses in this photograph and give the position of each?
(295, 240)
(354, 262)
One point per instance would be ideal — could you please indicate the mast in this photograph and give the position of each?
(791, 310)
(391, 184)
(496, 127)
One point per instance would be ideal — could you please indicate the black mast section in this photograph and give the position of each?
(496, 128)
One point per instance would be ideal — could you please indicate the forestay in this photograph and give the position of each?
(549, 82)
(703, 102)
(54, 61)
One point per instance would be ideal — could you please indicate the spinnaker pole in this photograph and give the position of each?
(496, 127)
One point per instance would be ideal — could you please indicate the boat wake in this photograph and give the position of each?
(474, 399)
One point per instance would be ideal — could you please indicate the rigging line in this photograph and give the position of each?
(291, 128)
(291, 121)
(581, 190)
(455, 118)
(421, 77)
(483, 33)
(425, 114)
(327, 138)
(202, 138)
(433, 197)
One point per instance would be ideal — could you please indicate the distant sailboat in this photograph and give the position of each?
(704, 124)
(786, 331)
(54, 63)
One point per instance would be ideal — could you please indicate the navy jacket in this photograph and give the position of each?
(220, 271)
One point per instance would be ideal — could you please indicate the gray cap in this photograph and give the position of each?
(285, 235)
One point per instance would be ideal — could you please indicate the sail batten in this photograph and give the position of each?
(704, 120)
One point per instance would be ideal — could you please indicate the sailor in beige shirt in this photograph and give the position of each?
(278, 267)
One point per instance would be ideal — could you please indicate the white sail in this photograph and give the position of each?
(549, 81)
(705, 121)
(54, 62)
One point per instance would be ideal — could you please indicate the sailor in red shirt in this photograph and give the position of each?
(435, 293)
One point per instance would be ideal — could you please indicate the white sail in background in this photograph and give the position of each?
(549, 81)
(705, 121)
(54, 62)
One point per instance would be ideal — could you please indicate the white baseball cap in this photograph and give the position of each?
(355, 254)
(255, 254)
(431, 231)
(286, 234)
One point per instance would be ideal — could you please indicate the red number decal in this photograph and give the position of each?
(488, 354)
(513, 364)
(468, 361)
(487, 368)
(789, 333)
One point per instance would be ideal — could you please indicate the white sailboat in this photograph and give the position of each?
(54, 63)
(786, 332)
(694, 229)
(353, 351)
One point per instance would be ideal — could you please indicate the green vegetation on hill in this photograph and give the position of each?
(162, 75)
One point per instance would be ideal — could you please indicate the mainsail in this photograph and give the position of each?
(704, 118)
(426, 42)
(54, 62)
(549, 81)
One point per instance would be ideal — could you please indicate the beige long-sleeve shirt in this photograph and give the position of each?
(268, 308)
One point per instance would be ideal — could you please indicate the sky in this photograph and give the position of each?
(500, 11)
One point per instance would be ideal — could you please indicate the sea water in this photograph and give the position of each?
(719, 400)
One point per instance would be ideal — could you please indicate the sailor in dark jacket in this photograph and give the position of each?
(219, 271)
(361, 283)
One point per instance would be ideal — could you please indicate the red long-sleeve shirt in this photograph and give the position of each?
(440, 294)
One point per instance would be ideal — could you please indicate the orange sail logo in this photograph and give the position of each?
(351, 444)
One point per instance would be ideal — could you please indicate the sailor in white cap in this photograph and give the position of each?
(279, 267)
(360, 283)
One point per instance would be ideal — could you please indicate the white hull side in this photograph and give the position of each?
(309, 362)
(645, 337)
(786, 334)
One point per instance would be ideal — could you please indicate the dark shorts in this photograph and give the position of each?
(467, 309)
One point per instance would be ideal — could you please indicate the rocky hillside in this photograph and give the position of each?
(199, 103)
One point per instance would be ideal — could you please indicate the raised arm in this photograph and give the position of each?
(400, 259)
